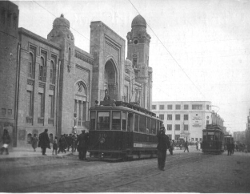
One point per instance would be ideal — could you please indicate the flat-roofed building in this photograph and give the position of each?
(186, 119)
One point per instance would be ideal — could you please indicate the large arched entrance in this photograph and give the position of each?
(110, 79)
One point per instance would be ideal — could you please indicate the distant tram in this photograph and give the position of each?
(122, 131)
(213, 140)
(228, 139)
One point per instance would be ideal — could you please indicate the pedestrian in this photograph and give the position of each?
(6, 141)
(163, 145)
(62, 144)
(81, 145)
(171, 147)
(186, 146)
(34, 142)
(44, 141)
(74, 139)
(69, 141)
(197, 145)
(55, 146)
(229, 148)
(233, 147)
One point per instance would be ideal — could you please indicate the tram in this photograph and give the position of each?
(122, 131)
(228, 139)
(213, 139)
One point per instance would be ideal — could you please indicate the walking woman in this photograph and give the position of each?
(34, 142)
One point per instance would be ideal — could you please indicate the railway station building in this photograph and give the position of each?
(51, 83)
(186, 119)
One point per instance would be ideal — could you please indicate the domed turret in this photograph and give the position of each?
(139, 21)
(61, 31)
(61, 21)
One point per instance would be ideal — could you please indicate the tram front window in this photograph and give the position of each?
(116, 121)
(103, 121)
(210, 136)
(92, 120)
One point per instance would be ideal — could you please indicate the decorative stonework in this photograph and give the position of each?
(112, 49)
(83, 57)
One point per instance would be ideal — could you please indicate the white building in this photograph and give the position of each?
(186, 119)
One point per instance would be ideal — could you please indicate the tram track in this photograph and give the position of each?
(137, 169)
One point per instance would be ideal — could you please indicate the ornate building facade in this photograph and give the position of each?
(50, 83)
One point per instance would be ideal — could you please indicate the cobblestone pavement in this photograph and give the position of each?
(185, 172)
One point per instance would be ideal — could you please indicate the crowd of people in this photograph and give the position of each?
(66, 142)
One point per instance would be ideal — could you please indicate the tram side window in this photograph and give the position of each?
(142, 124)
(92, 120)
(153, 126)
(103, 121)
(124, 121)
(157, 126)
(136, 122)
(130, 122)
(116, 120)
(148, 129)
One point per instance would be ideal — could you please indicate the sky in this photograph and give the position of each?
(199, 49)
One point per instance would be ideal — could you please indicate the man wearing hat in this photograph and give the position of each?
(163, 145)
(44, 141)
(81, 145)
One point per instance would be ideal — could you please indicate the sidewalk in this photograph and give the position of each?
(23, 152)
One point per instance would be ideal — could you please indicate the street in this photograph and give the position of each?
(184, 172)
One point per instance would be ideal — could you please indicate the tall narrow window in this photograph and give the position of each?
(31, 66)
(29, 103)
(52, 72)
(43, 67)
(79, 113)
(75, 107)
(83, 111)
(69, 60)
(42, 72)
(51, 106)
(41, 104)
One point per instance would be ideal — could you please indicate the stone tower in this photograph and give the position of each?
(62, 35)
(138, 52)
(9, 47)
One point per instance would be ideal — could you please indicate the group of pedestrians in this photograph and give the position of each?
(63, 144)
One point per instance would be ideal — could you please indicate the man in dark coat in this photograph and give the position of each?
(81, 145)
(163, 145)
(44, 141)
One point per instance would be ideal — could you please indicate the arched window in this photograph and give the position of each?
(52, 72)
(80, 103)
(31, 65)
(42, 70)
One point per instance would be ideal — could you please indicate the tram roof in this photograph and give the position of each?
(213, 127)
(120, 104)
